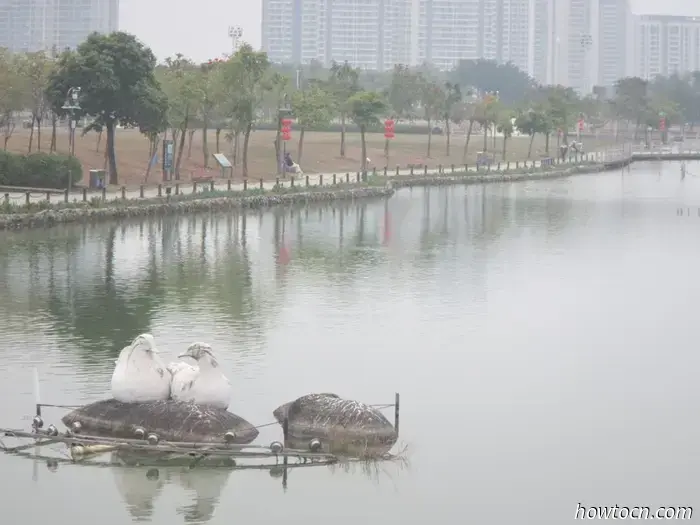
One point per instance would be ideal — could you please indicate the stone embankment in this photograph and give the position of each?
(45, 213)
(85, 212)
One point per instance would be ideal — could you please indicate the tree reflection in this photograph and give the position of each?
(98, 314)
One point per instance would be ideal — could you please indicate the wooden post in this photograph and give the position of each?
(177, 188)
(7, 198)
(84, 194)
(307, 181)
(104, 193)
(291, 181)
(27, 196)
(320, 179)
(123, 193)
(65, 196)
(261, 184)
(141, 191)
(211, 186)
(347, 177)
(245, 184)
(228, 184)
(160, 190)
(194, 187)
(357, 177)
(397, 402)
(334, 179)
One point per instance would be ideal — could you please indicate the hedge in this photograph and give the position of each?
(38, 170)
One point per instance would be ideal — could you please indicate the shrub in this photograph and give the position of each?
(39, 170)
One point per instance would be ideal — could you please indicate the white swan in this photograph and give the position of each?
(203, 384)
(139, 374)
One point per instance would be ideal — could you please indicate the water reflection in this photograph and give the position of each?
(532, 318)
(141, 487)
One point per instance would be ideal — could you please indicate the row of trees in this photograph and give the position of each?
(121, 83)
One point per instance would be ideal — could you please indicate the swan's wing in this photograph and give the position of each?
(178, 366)
(184, 376)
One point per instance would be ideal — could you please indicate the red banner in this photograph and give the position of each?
(389, 128)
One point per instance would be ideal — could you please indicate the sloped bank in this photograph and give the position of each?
(115, 210)
(486, 177)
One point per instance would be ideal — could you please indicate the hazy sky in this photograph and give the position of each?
(200, 29)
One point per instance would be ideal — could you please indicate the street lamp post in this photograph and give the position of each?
(72, 105)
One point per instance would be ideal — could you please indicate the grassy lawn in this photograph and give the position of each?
(320, 152)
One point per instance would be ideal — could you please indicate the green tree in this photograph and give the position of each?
(116, 75)
(183, 87)
(244, 74)
(312, 107)
(365, 109)
(35, 69)
(403, 96)
(404, 93)
(504, 125)
(631, 101)
(532, 122)
(11, 94)
(343, 84)
(453, 97)
(211, 91)
(561, 110)
(433, 104)
(512, 84)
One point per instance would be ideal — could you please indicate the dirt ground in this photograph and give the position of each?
(321, 152)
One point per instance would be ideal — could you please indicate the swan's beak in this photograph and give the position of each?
(183, 355)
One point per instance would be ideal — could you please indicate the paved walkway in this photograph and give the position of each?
(314, 179)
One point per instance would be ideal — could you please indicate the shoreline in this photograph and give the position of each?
(47, 215)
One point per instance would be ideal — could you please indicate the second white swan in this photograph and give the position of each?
(204, 383)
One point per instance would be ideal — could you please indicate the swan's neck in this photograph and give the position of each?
(208, 362)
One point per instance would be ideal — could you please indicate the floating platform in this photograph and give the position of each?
(108, 433)
(343, 425)
(173, 421)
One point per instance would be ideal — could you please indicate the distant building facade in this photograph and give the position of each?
(666, 45)
(374, 34)
(616, 49)
(575, 43)
(48, 25)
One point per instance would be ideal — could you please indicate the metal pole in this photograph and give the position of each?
(71, 105)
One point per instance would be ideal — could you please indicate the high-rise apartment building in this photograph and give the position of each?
(616, 49)
(576, 43)
(666, 45)
(376, 34)
(369, 34)
(454, 30)
(48, 25)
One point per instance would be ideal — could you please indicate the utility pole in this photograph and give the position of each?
(72, 105)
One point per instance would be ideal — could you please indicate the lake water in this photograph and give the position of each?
(543, 337)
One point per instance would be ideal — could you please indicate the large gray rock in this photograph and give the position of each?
(170, 420)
